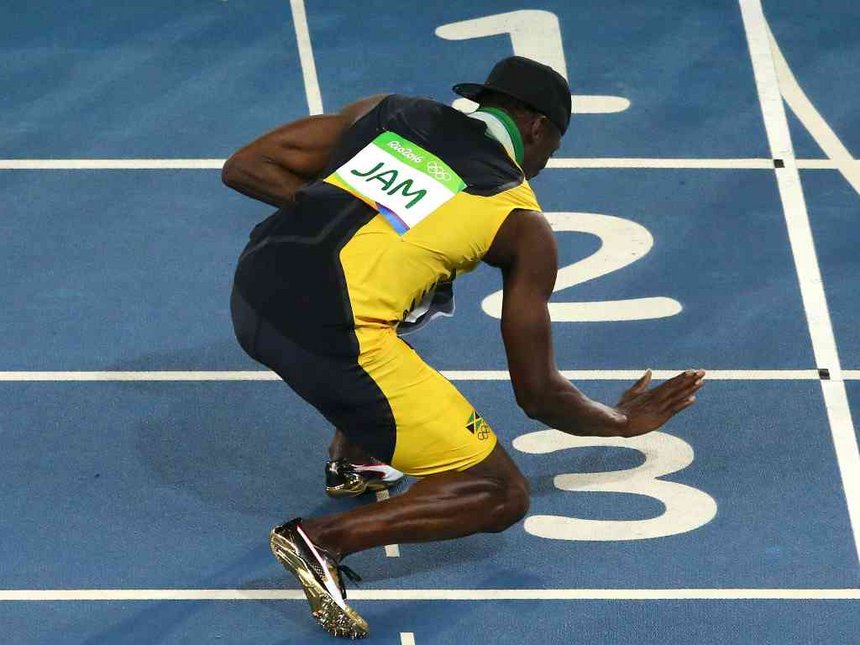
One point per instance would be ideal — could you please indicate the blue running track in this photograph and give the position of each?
(144, 457)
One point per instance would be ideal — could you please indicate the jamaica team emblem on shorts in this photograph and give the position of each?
(477, 426)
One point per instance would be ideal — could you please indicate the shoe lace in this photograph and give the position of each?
(344, 570)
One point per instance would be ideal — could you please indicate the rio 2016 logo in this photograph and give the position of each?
(406, 152)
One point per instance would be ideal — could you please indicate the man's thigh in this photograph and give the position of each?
(388, 400)
(437, 429)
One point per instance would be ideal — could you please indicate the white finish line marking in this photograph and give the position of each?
(805, 259)
(45, 595)
(452, 375)
(560, 163)
(407, 638)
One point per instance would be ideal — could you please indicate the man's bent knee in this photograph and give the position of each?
(513, 505)
(510, 490)
(519, 499)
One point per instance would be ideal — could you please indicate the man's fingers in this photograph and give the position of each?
(684, 404)
(638, 388)
(683, 377)
(682, 394)
(642, 383)
(670, 399)
(690, 388)
(679, 384)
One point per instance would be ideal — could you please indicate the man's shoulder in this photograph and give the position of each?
(458, 140)
(415, 107)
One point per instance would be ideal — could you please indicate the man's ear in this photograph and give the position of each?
(546, 126)
(533, 131)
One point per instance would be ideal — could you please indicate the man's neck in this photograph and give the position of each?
(501, 127)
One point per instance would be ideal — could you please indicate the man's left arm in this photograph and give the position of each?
(275, 166)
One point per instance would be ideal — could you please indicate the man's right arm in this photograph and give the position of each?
(525, 250)
(275, 166)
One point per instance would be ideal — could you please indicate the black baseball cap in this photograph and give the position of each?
(537, 85)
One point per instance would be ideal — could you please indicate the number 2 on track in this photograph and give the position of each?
(624, 242)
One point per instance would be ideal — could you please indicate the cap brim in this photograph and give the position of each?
(469, 90)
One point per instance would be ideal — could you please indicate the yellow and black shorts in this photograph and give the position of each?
(387, 399)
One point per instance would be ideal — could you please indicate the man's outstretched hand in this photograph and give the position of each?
(647, 410)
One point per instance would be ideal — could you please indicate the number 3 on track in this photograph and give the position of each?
(686, 508)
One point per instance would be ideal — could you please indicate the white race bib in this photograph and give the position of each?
(403, 181)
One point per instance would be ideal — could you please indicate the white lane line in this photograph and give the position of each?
(391, 550)
(306, 57)
(451, 375)
(256, 375)
(407, 638)
(711, 164)
(600, 162)
(828, 164)
(805, 259)
(42, 595)
(815, 124)
(111, 164)
(693, 164)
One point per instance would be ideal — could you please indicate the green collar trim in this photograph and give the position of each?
(510, 128)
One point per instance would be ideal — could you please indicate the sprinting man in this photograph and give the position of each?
(380, 204)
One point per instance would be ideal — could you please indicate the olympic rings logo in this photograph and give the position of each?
(438, 172)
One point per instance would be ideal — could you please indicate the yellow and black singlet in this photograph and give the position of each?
(414, 195)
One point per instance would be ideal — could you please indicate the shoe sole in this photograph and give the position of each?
(373, 486)
(336, 620)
